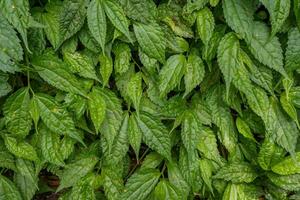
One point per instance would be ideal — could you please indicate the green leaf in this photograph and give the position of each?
(20, 149)
(195, 71)
(140, 10)
(116, 15)
(190, 130)
(238, 15)
(81, 64)
(292, 59)
(134, 135)
(120, 145)
(96, 20)
(222, 118)
(151, 39)
(279, 11)
(288, 165)
(97, 108)
(280, 128)
(269, 154)
(134, 90)
(228, 53)
(207, 145)
(289, 182)
(237, 173)
(122, 57)
(244, 129)
(54, 72)
(55, 117)
(74, 171)
(7, 160)
(10, 51)
(296, 6)
(51, 145)
(113, 116)
(289, 108)
(71, 18)
(16, 112)
(267, 51)
(175, 177)
(206, 172)
(8, 189)
(17, 13)
(112, 183)
(155, 134)
(205, 24)
(5, 87)
(165, 190)
(106, 68)
(171, 73)
(140, 184)
(51, 21)
(26, 179)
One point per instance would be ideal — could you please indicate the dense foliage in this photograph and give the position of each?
(149, 99)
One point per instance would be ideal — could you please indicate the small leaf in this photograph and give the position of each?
(134, 135)
(97, 108)
(244, 129)
(205, 24)
(122, 57)
(106, 68)
(171, 73)
(134, 90)
(195, 71)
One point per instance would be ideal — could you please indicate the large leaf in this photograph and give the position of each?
(155, 134)
(280, 128)
(141, 184)
(237, 172)
(54, 72)
(55, 117)
(116, 15)
(8, 189)
(171, 73)
(74, 171)
(205, 24)
(151, 39)
(97, 21)
(228, 53)
(71, 18)
(10, 47)
(288, 165)
(16, 109)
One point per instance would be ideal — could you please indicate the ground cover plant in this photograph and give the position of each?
(149, 99)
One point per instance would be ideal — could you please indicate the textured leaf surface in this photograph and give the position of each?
(54, 72)
(141, 184)
(237, 173)
(155, 134)
(16, 109)
(8, 189)
(171, 73)
(151, 38)
(97, 21)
